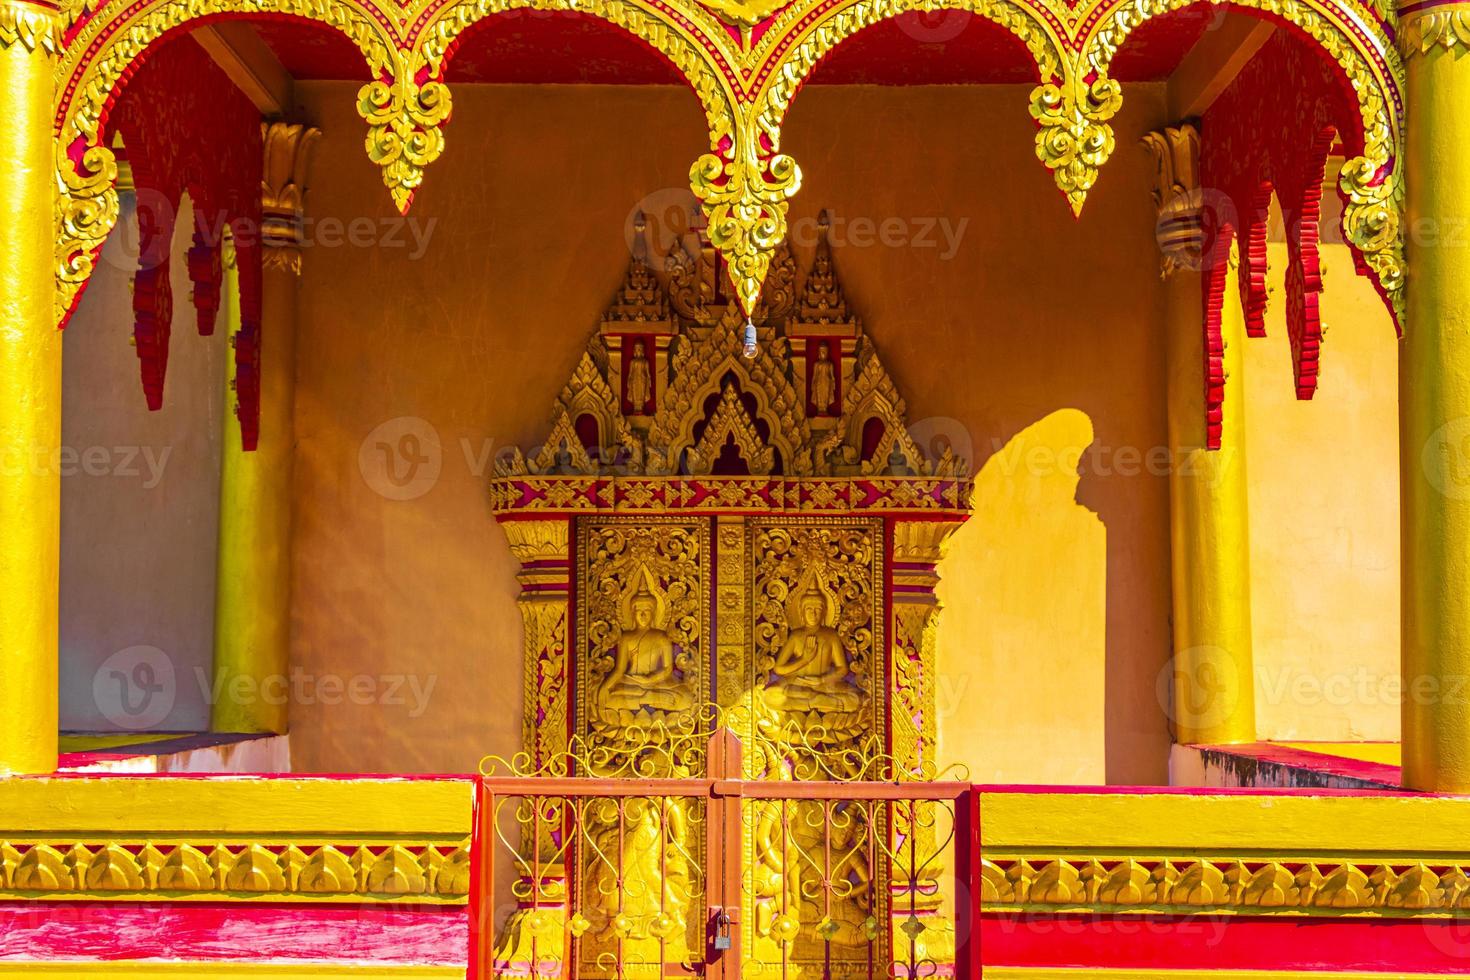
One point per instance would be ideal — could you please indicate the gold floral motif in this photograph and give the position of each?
(746, 88)
(1177, 196)
(746, 199)
(435, 873)
(86, 211)
(1248, 885)
(404, 135)
(1075, 139)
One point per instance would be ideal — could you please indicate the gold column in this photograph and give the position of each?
(252, 627)
(30, 393)
(1213, 688)
(543, 549)
(1434, 406)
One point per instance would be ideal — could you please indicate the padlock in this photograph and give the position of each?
(722, 931)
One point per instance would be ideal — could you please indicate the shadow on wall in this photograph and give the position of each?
(1023, 637)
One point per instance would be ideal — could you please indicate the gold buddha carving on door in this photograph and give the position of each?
(707, 539)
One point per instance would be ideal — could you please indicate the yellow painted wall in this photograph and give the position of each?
(1027, 335)
(1324, 513)
(139, 508)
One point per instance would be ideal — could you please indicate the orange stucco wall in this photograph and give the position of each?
(1024, 333)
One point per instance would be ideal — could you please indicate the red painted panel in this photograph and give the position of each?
(423, 935)
(1221, 942)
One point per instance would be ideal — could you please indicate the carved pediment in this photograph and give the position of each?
(666, 388)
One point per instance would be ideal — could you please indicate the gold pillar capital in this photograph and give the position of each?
(1429, 27)
(31, 24)
(283, 191)
(1177, 195)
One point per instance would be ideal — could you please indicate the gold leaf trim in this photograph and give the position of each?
(1248, 885)
(409, 872)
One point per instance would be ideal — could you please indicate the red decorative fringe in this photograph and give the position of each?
(1270, 132)
(188, 129)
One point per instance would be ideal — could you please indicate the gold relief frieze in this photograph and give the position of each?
(1249, 884)
(210, 870)
(643, 602)
(732, 610)
(771, 495)
(817, 637)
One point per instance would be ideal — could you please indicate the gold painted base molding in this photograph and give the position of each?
(1090, 973)
(148, 969)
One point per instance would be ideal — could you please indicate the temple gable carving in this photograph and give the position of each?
(663, 387)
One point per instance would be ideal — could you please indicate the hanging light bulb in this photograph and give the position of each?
(750, 349)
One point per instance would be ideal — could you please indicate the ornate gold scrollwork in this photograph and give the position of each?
(1075, 139)
(746, 198)
(93, 65)
(746, 85)
(404, 117)
(86, 210)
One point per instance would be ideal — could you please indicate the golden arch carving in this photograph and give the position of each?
(1372, 183)
(87, 78)
(745, 88)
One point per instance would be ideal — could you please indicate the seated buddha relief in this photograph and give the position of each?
(646, 681)
(812, 671)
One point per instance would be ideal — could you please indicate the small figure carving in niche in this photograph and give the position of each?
(640, 380)
(812, 670)
(824, 380)
(898, 463)
(563, 464)
(645, 675)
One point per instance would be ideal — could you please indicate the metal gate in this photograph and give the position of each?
(642, 878)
